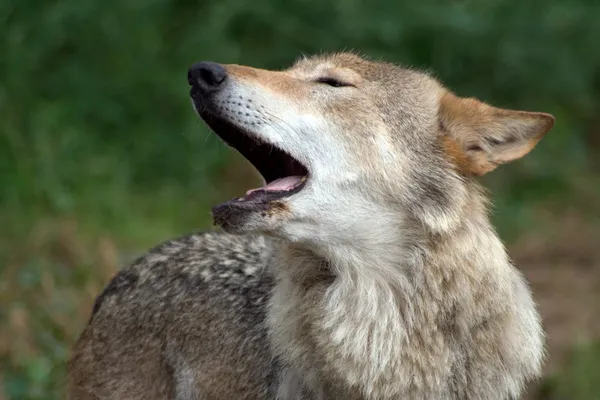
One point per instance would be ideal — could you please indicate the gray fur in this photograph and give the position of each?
(147, 337)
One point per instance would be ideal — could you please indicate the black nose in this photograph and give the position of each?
(207, 76)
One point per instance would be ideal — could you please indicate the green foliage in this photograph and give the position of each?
(96, 125)
(94, 94)
(580, 380)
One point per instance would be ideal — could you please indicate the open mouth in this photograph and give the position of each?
(284, 175)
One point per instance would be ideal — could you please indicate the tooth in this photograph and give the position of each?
(303, 179)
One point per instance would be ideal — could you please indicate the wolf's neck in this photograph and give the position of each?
(378, 311)
(400, 257)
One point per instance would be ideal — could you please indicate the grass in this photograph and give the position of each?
(52, 274)
(53, 264)
(578, 379)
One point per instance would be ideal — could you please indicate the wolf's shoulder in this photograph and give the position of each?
(199, 264)
(216, 251)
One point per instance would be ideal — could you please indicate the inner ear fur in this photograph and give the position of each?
(479, 137)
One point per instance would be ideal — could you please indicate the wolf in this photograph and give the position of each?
(364, 268)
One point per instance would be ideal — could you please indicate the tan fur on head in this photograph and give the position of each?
(480, 137)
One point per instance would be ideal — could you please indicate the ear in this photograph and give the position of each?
(479, 137)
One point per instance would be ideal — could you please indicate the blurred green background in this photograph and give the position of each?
(102, 157)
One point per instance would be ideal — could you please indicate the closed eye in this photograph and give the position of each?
(332, 82)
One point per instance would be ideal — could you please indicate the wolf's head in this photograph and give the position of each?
(348, 146)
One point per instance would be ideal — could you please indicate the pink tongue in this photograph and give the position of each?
(281, 184)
